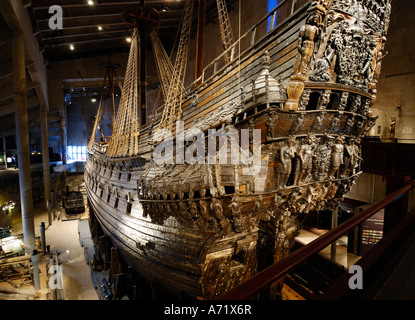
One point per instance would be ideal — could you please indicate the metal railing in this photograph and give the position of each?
(381, 251)
(276, 271)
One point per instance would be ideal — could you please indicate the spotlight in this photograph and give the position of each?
(99, 28)
(90, 2)
(72, 47)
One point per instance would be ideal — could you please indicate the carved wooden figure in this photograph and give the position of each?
(199, 229)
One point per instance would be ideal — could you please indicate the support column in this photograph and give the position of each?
(22, 139)
(63, 140)
(45, 158)
(4, 153)
(43, 237)
(35, 264)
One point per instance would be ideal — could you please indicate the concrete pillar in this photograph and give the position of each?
(35, 264)
(63, 141)
(43, 237)
(4, 153)
(45, 158)
(22, 139)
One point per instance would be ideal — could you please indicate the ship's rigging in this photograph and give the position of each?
(225, 30)
(202, 229)
(126, 123)
(175, 90)
(108, 91)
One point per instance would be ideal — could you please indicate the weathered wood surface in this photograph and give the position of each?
(204, 228)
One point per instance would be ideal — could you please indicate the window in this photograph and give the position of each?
(271, 5)
(76, 153)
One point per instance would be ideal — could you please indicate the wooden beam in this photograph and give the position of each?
(72, 26)
(45, 4)
(9, 108)
(7, 91)
(58, 40)
(67, 19)
(6, 68)
(86, 31)
(86, 21)
(85, 41)
(5, 36)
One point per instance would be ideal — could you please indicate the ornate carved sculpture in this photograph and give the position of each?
(392, 129)
(376, 73)
(305, 159)
(270, 123)
(236, 214)
(288, 151)
(336, 157)
(351, 157)
(349, 125)
(304, 99)
(217, 208)
(204, 211)
(318, 121)
(309, 34)
(343, 101)
(201, 222)
(320, 72)
(298, 124)
(335, 123)
(356, 103)
(325, 99)
(322, 158)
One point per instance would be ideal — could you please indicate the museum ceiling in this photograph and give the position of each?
(96, 27)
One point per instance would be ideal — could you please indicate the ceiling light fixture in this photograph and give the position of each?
(99, 28)
(90, 2)
(72, 47)
(128, 39)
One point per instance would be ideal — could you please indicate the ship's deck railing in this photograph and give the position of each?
(278, 270)
(218, 65)
(244, 44)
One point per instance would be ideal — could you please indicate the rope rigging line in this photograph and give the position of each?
(124, 140)
(170, 58)
(107, 87)
(225, 30)
(175, 89)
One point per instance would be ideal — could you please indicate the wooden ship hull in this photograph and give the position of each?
(304, 90)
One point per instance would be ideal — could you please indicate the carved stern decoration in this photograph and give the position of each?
(329, 96)
(202, 228)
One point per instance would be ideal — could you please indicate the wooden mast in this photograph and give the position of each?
(200, 40)
(142, 28)
(142, 19)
